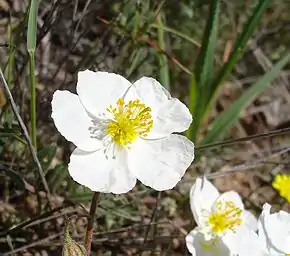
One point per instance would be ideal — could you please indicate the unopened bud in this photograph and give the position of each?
(71, 247)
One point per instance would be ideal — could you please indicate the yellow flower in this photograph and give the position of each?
(282, 184)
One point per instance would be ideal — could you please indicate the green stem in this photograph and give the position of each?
(32, 98)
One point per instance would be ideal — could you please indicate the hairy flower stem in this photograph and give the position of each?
(90, 227)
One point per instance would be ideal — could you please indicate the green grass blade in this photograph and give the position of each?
(230, 116)
(239, 46)
(11, 57)
(204, 65)
(136, 59)
(32, 79)
(12, 135)
(32, 26)
(14, 176)
(31, 45)
(192, 131)
(163, 61)
(177, 33)
(203, 71)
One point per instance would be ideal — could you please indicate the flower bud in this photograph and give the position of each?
(71, 247)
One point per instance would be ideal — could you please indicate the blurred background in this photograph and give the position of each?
(227, 60)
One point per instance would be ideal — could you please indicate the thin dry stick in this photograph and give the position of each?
(33, 244)
(25, 132)
(247, 166)
(244, 139)
(90, 227)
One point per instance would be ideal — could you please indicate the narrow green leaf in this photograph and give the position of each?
(239, 46)
(32, 26)
(205, 59)
(136, 23)
(192, 131)
(177, 33)
(231, 115)
(56, 176)
(136, 59)
(163, 61)
(17, 179)
(31, 45)
(46, 155)
(81, 197)
(12, 135)
(199, 89)
(11, 56)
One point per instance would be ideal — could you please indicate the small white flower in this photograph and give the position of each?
(251, 245)
(197, 245)
(123, 131)
(220, 216)
(274, 231)
(273, 236)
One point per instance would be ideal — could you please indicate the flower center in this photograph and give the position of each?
(130, 121)
(282, 184)
(225, 217)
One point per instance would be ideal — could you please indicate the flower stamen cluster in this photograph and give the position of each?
(130, 121)
(226, 217)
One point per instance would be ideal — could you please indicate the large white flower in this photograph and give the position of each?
(220, 216)
(123, 131)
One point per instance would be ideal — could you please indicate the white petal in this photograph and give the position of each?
(98, 90)
(173, 117)
(231, 196)
(203, 195)
(265, 242)
(261, 230)
(190, 240)
(245, 243)
(277, 229)
(151, 92)
(169, 114)
(161, 163)
(101, 174)
(72, 121)
(198, 246)
(250, 220)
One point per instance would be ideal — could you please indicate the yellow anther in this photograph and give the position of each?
(130, 121)
(227, 216)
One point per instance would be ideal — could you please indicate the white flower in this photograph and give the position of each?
(274, 231)
(273, 238)
(123, 131)
(251, 245)
(220, 216)
(197, 245)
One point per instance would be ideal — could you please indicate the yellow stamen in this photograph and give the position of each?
(282, 184)
(130, 121)
(227, 216)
